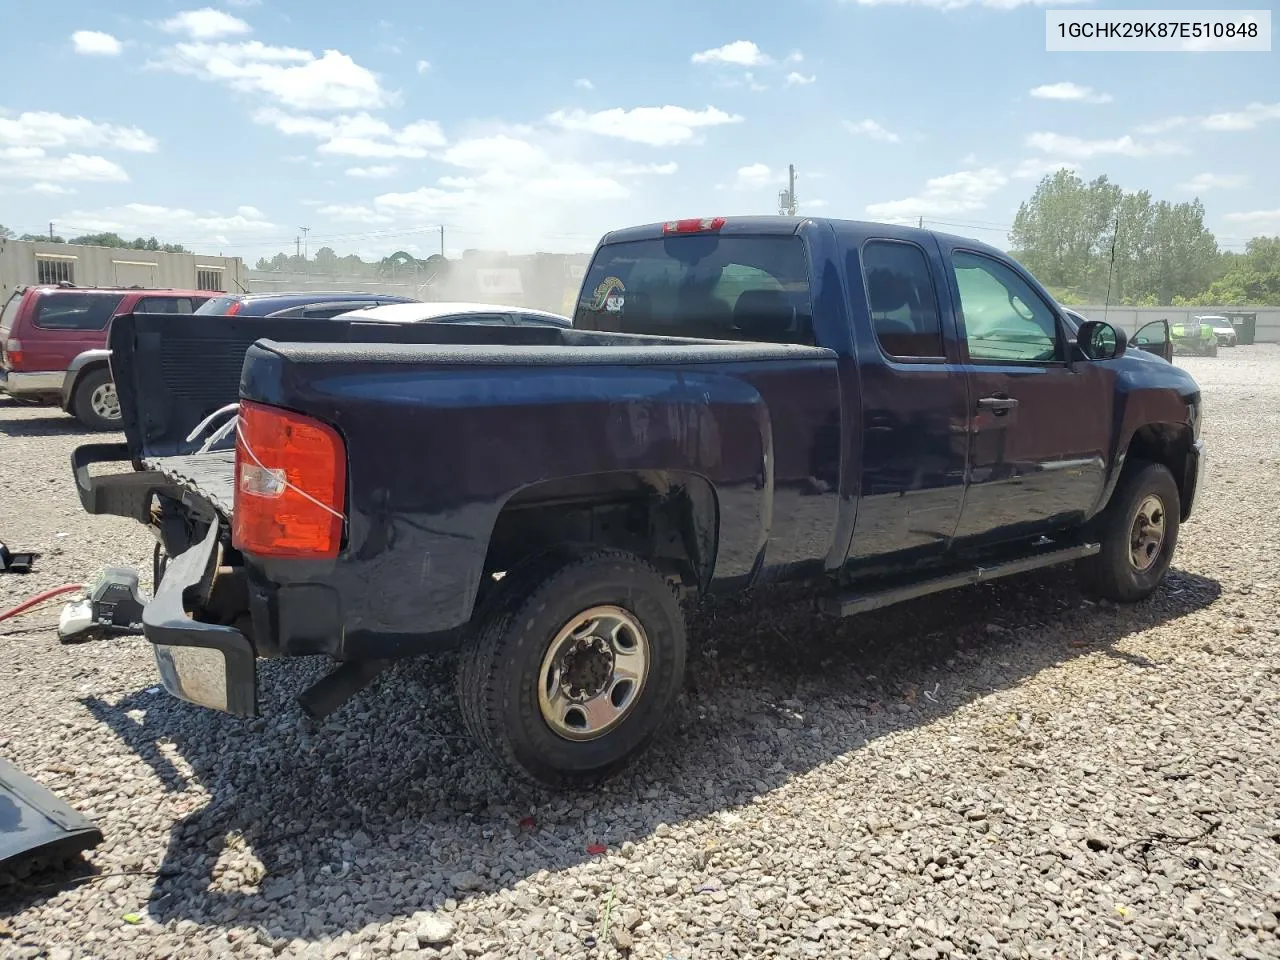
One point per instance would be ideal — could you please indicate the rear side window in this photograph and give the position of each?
(75, 311)
(700, 285)
(900, 293)
(10, 314)
(164, 305)
(218, 306)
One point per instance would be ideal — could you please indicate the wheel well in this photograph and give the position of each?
(669, 519)
(69, 393)
(1166, 443)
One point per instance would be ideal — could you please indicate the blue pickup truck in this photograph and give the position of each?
(883, 412)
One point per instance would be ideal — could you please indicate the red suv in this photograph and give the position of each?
(53, 344)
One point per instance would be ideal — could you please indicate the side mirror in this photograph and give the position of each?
(1100, 341)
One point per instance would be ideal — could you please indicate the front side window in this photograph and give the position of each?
(703, 285)
(904, 308)
(75, 311)
(1005, 320)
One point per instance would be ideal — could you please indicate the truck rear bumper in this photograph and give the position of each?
(203, 663)
(37, 384)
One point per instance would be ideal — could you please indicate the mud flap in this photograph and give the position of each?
(36, 828)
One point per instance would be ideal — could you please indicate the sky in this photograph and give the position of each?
(520, 126)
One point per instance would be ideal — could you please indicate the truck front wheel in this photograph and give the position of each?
(576, 663)
(1138, 532)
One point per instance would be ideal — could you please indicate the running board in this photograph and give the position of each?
(848, 604)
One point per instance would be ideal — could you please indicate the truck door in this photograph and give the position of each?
(1041, 424)
(1154, 338)
(915, 407)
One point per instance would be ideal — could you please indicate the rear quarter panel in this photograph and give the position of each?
(434, 450)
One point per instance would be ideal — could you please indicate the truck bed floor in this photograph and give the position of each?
(212, 474)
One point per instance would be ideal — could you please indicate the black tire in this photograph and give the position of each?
(500, 672)
(83, 401)
(1112, 573)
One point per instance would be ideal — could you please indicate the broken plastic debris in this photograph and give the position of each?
(131, 918)
(596, 848)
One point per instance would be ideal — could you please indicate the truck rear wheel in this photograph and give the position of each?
(95, 403)
(1138, 531)
(575, 665)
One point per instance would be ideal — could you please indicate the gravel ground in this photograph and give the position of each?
(1005, 771)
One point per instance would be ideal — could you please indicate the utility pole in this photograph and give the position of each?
(297, 247)
(50, 229)
(787, 197)
(442, 239)
(921, 224)
(305, 252)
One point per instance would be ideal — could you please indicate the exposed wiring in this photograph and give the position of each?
(40, 598)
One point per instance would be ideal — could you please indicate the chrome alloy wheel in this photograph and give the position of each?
(593, 673)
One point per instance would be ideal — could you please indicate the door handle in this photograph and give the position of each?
(997, 405)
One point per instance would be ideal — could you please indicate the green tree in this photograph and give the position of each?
(42, 236)
(1249, 278)
(5, 232)
(1090, 241)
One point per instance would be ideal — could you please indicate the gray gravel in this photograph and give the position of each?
(1007, 771)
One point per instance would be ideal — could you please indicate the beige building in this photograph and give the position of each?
(24, 262)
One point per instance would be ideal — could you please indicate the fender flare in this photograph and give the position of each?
(76, 368)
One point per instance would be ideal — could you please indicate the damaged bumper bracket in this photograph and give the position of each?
(203, 663)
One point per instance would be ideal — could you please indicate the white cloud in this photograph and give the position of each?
(1034, 168)
(352, 213)
(46, 129)
(1213, 181)
(795, 56)
(643, 169)
(1078, 148)
(424, 66)
(582, 83)
(656, 126)
(358, 135)
(812, 204)
(754, 176)
(1069, 91)
(869, 128)
(51, 189)
(96, 43)
(1249, 118)
(795, 79)
(32, 163)
(739, 53)
(376, 172)
(206, 24)
(961, 192)
(1231, 121)
(175, 224)
(1264, 221)
(294, 77)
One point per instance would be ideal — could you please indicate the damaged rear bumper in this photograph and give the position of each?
(203, 663)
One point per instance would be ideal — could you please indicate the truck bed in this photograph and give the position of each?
(211, 474)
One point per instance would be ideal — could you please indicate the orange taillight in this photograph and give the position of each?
(291, 474)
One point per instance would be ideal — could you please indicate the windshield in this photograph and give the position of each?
(218, 306)
(700, 285)
(1218, 323)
